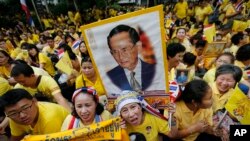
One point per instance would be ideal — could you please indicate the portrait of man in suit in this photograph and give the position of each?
(131, 73)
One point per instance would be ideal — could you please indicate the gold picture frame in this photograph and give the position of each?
(182, 76)
(214, 49)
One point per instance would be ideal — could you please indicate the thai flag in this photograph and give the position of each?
(26, 10)
(174, 90)
(60, 53)
(248, 73)
(76, 44)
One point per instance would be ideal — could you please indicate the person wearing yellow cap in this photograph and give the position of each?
(142, 124)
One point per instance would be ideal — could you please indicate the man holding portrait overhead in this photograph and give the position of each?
(132, 73)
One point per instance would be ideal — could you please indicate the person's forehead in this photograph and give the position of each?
(128, 105)
(122, 36)
(18, 105)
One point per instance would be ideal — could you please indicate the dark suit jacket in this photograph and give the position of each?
(118, 76)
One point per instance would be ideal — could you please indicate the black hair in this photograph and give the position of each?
(243, 53)
(86, 59)
(201, 44)
(13, 96)
(49, 38)
(174, 48)
(18, 61)
(197, 36)
(229, 54)
(6, 55)
(19, 69)
(235, 39)
(229, 69)
(33, 58)
(134, 36)
(189, 58)
(65, 47)
(194, 90)
(83, 54)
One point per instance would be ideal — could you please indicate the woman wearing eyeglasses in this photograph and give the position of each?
(86, 110)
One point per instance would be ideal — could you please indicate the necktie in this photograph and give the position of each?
(134, 83)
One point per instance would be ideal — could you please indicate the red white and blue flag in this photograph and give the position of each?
(26, 10)
(174, 90)
(76, 44)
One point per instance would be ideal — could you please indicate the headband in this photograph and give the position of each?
(87, 90)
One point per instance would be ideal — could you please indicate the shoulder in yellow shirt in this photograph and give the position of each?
(150, 127)
(82, 81)
(48, 65)
(50, 119)
(219, 99)
(185, 117)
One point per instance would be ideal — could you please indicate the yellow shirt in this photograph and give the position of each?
(200, 13)
(209, 76)
(4, 72)
(97, 85)
(39, 71)
(150, 127)
(50, 119)
(29, 41)
(47, 86)
(185, 117)
(104, 116)
(219, 100)
(4, 86)
(181, 9)
(48, 50)
(48, 65)
(233, 49)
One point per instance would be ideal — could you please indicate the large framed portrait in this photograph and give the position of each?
(214, 49)
(129, 52)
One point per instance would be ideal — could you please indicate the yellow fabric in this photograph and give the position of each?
(229, 11)
(185, 117)
(15, 52)
(4, 72)
(39, 71)
(4, 86)
(48, 65)
(181, 9)
(209, 10)
(155, 124)
(9, 46)
(50, 119)
(77, 18)
(171, 75)
(210, 33)
(200, 13)
(233, 49)
(29, 41)
(219, 100)
(97, 85)
(35, 38)
(238, 106)
(46, 23)
(48, 50)
(209, 76)
(186, 43)
(239, 26)
(47, 86)
(104, 116)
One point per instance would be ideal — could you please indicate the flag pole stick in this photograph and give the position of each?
(39, 20)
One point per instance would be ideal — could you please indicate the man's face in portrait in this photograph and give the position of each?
(124, 51)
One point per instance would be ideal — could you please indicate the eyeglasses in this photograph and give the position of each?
(25, 110)
(125, 50)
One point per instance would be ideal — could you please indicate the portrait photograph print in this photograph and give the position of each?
(128, 51)
(214, 49)
(182, 76)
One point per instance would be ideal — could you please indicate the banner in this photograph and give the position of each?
(106, 130)
(64, 64)
(238, 106)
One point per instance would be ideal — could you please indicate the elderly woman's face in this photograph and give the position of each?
(85, 108)
(225, 82)
(132, 114)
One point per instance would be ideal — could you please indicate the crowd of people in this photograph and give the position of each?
(38, 98)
